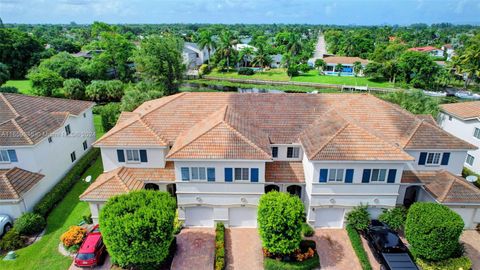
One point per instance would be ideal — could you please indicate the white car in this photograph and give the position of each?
(6, 224)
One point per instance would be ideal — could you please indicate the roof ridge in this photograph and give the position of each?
(114, 174)
(330, 139)
(113, 132)
(20, 129)
(444, 195)
(417, 126)
(9, 184)
(247, 139)
(174, 97)
(9, 105)
(152, 131)
(195, 139)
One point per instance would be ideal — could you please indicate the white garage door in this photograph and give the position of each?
(199, 216)
(243, 217)
(467, 216)
(329, 217)
(374, 212)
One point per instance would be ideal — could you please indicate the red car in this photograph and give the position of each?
(92, 252)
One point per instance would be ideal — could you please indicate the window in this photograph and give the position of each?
(67, 130)
(275, 152)
(336, 175)
(450, 118)
(470, 160)
(84, 115)
(85, 145)
(433, 158)
(133, 155)
(476, 133)
(49, 139)
(7, 156)
(73, 156)
(198, 173)
(4, 156)
(378, 175)
(293, 152)
(241, 174)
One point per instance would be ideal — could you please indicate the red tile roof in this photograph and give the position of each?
(284, 172)
(15, 182)
(463, 110)
(345, 60)
(423, 49)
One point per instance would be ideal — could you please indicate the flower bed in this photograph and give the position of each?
(305, 258)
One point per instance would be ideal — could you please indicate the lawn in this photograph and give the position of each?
(312, 77)
(24, 86)
(97, 121)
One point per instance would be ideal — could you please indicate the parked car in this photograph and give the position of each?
(388, 248)
(6, 223)
(92, 252)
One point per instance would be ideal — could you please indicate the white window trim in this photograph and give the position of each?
(440, 155)
(241, 173)
(293, 152)
(476, 131)
(470, 157)
(8, 157)
(379, 181)
(336, 171)
(132, 161)
(198, 179)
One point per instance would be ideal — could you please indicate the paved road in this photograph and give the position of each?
(320, 48)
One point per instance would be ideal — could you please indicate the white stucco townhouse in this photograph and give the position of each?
(40, 140)
(217, 153)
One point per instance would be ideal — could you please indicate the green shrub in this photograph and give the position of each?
(204, 70)
(433, 231)
(460, 263)
(88, 219)
(8, 89)
(29, 224)
(307, 230)
(46, 204)
(220, 246)
(12, 240)
(177, 225)
(280, 219)
(246, 71)
(358, 218)
(394, 217)
(358, 248)
(137, 222)
(273, 264)
(110, 114)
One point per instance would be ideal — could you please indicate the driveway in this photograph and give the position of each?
(105, 266)
(243, 249)
(195, 249)
(471, 240)
(335, 250)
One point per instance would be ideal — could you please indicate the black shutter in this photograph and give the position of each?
(120, 155)
(423, 158)
(143, 156)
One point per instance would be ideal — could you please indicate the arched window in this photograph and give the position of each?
(269, 188)
(295, 190)
(152, 186)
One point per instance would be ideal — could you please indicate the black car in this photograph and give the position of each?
(388, 248)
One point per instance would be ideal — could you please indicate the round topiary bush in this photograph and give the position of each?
(433, 231)
(280, 219)
(29, 224)
(137, 228)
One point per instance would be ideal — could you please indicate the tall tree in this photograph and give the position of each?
(320, 64)
(246, 55)
(226, 51)
(206, 40)
(159, 60)
(357, 68)
(468, 60)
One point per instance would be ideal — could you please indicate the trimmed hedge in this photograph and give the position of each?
(48, 202)
(358, 247)
(272, 264)
(29, 224)
(307, 230)
(433, 231)
(246, 71)
(449, 264)
(220, 246)
(12, 240)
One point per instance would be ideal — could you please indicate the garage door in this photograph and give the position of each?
(199, 216)
(329, 217)
(243, 217)
(467, 215)
(374, 212)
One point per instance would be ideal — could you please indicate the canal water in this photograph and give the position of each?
(201, 86)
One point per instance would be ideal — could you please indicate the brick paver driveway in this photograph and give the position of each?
(195, 249)
(335, 250)
(471, 239)
(243, 249)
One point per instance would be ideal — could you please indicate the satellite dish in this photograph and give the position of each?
(472, 178)
(88, 179)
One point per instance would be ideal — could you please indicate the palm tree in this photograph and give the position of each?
(246, 55)
(206, 40)
(357, 68)
(262, 57)
(294, 44)
(339, 68)
(225, 47)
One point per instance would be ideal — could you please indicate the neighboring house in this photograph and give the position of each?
(432, 51)
(193, 56)
(241, 46)
(463, 120)
(88, 54)
(449, 51)
(40, 140)
(347, 63)
(276, 60)
(217, 153)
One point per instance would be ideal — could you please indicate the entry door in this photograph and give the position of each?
(329, 217)
(199, 217)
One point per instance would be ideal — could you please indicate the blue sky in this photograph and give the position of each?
(241, 11)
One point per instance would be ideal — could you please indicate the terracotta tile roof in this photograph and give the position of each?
(427, 118)
(123, 180)
(284, 172)
(446, 187)
(463, 110)
(192, 124)
(409, 177)
(423, 49)
(25, 120)
(15, 182)
(344, 60)
(222, 135)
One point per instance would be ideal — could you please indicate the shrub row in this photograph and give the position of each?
(12, 240)
(246, 71)
(448, 264)
(29, 224)
(273, 264)
(46, 204)
(220, 246)
(358, 247)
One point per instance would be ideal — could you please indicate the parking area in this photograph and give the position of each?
(105, 266)
(243, 249)
(335, 250)
(195, 249)
(471, 241)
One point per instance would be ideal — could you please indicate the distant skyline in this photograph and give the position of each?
(343, 12)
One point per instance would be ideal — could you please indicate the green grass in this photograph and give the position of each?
(312, 77)
(44, 254)
(97, 121)
(24, 86)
